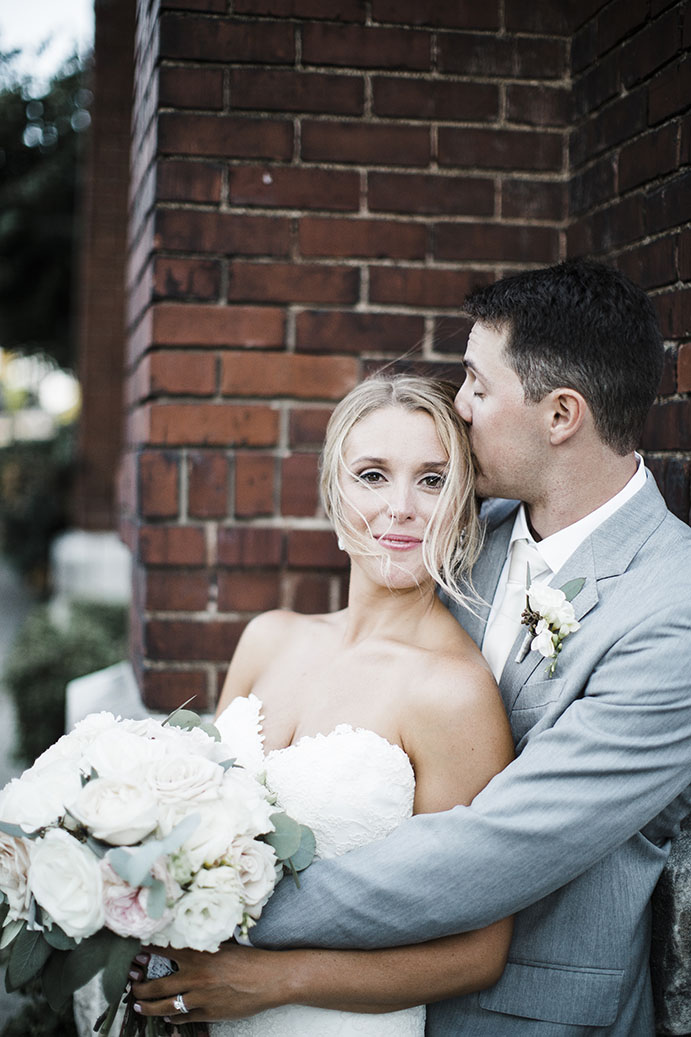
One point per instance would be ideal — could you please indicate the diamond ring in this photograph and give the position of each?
(179, 1004)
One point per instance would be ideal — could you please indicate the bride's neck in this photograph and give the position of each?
(376, 611)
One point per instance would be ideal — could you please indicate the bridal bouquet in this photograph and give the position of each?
(126, 833)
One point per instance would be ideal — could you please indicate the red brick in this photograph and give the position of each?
(365, 47)
(178, 373)
(451, 334)
(172, 545)
(619, 223)
(674, 311)
(545, 19)
(186, 279)
(334, 331)
(434, 99)
(676, 491)
(310, 593)
(249, 546)
(166, 690)
(593, 186)
(307, 427)
(314, 548)
(381, 239)
(158, 484)
(207, 486)
(538, 105)
(248, 591)
(651, 265)
(206, 326)
(650, 48)
(668, 381)
(294, 188)
(444, 370)
(420, 193)
(499, 56)
(212, 424)
(684, 368)
(300, 485)
(443, 14)
(363, 144)
(499, 241)
(500, 149)
(292, 282)
(648, 157)
(212, 6)
(181, 181)
(598, 84)
(616, 123)
(224, 233)
(669, 91)
(180, 640)
(280, 90)
(190, 88)
(336, 10)
(224, 136)
(619, 21)
(255, 478)
(303, 377)
(219, 39)
(533, 199)
(667, 427)
(176, 590)
(685, 255)
(427, 287)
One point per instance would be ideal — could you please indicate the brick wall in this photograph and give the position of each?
(630, 191)
(315, 186)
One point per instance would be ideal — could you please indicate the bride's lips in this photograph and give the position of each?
(398, 543)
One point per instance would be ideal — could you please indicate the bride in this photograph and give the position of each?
(370, 714)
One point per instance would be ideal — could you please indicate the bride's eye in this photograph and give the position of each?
(370, 476)
(433, 481)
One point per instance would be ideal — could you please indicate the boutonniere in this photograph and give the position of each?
(550, 617)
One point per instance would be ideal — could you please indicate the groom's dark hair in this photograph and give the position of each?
(585, 326)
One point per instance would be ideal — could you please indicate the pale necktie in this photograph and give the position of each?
(504, 628)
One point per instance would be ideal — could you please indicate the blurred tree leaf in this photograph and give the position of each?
(40, 146)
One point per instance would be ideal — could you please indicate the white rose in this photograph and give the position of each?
(187, 778)
(38, 798)
(15, 857)
(248, 801)
(117, 753)
(258, 871)
(207, 914)
(67, 747)
(551, 604)
(65, 878)
(209, 843)
(543, 642)
(117, 813)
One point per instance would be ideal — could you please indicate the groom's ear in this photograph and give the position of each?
(568, 412)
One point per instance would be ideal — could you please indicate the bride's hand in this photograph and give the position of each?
(233, 983)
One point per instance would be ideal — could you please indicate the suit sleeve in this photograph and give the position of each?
(615, 758)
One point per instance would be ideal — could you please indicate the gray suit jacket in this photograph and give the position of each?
(573, 834)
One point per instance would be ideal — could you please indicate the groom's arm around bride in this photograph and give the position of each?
(563, 364)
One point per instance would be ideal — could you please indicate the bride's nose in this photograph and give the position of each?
(401, 504)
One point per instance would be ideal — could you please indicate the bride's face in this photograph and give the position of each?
(394, 469)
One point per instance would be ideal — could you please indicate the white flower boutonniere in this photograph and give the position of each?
(550, 618)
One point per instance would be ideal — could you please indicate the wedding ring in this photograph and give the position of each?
(179, 1004)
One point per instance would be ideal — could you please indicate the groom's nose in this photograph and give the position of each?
(462, 406)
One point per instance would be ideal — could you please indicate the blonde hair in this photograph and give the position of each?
(452, 539)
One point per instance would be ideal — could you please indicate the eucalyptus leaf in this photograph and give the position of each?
(304, 855)
(86, 960)
(10, 932)
(572, 588)
(29, 954)
(134, 865)
(211, 730)
(186, 719)
(227, 764)
(156, 899)
(59, 939)
(17, 831)
(51, 981)
(175, 712)
(4, 908)
(286, 838)
(120, 955)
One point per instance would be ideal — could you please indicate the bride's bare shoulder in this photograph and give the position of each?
(281, 626)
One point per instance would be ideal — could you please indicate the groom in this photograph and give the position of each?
(562, 366)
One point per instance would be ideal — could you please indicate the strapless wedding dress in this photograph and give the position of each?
(350, 786)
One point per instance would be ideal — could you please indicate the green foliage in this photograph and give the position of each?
(35, 479)
(44, 658)
(39, 155)
(36, 1018)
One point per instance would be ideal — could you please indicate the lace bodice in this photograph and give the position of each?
(350, 786)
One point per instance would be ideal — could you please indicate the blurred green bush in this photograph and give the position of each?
(35, 478)
(45, 656)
